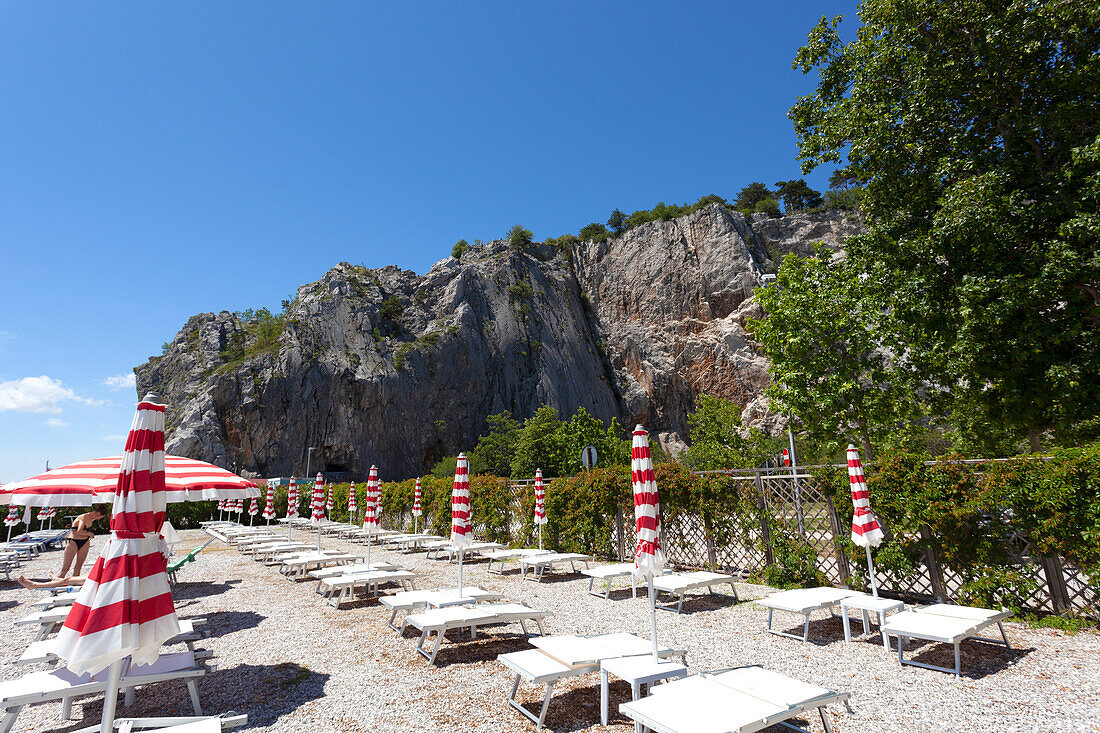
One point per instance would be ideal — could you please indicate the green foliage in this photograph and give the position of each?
(844, 200)
(751, 195)
(794, 562)
(392, 308)
(769, 207)
(617, 221)
(496, 448)
(842, 180)
(522, 290)
(594, 232)
(967, 517)
(459, 248)
(717, 441)
(259, 334)
(830, 366)
(976, 134)
(797, 195)
(519, 239)
(554, 445)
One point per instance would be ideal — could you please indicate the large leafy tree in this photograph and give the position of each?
(718, 438)
(831, 364)
(973, 126)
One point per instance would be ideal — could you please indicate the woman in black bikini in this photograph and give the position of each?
(78, 542)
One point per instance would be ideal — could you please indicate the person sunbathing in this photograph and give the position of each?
(75, 580)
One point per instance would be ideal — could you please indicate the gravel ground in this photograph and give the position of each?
(293, 663)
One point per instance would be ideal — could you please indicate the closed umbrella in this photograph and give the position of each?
(291, 505)
(371, 510)
(269, 506)
(865, 530)
(317, 506)
(353, 507)
(462, 532)
(253, 510)
(12, 519)
(649, 559)
(330, 505)
(125, 608)
(416, 505)
(540, 503)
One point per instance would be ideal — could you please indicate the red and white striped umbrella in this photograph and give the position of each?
(353, 507)
(88, 482)
(292, 499)
(318, 503)
(371, 508)
(540, 503)
(47, 513)
(125, 609)
(416, 499)
(254, 509)
(865, 530)
(330, 505)
(540, 499)
(269, 507)
(649, 559)
(13, 516)
(462, 529)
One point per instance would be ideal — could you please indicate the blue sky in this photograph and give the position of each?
(159, 160)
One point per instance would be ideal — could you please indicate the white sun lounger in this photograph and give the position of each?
(803, 601)
(610, 573)
(439, 621)
(503, 556)
(296, 567)
(409, 601)
(946, 624)
(361, 567)
(679, 584)
(558, 657)
(338, 589)
(61, 684)
(538, 564)
(451, 552)
(42, 651)
(59, 600)
(47, 621)
(741, 700)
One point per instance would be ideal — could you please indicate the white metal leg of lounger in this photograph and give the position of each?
(681, 593)
(538, 668)
(903, 639)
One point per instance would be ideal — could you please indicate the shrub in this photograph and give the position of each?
(392, 308)
(459, 248)
(519, 239)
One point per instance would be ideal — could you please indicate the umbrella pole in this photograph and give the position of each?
(415, 523)
(871, 572)
(110, 702)
(460, 571)
(9, 531)
(540, 536)
(653, 617)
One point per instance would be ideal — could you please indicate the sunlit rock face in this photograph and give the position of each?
(635, 328)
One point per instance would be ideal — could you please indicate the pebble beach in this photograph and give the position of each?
(293, 663)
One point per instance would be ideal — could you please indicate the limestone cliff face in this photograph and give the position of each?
(633, 328)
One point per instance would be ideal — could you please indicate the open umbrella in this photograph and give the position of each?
(291, 505)
(540, 503)
(269, 506)
(125, 608)
(89, 482)
(416, 504)
(371, 509)
(649, 559)
(353, 507)
(318, 506)
(461, 527)
(865, 530)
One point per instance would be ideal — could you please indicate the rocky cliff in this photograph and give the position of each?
(385, 366)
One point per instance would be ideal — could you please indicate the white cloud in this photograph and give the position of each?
(122, 381)
(56, 422)
(38, 394)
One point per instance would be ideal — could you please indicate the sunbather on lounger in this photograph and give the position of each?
(52, 583)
